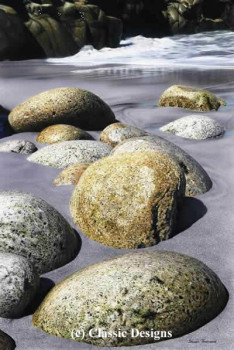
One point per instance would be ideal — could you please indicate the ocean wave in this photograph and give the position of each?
(208, 49)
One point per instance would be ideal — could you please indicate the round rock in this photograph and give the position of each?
(29, 226)
(62, 132)
(130, 200)
(66, 105)
(71, 175)
(118, 132)
(190, 98)
(197, 127)
(197, 179)
(18, 284)
(6, 342)
(158, 290)
(18, 146)
(63, 154)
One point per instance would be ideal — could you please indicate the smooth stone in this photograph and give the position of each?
(30, 227)
(190, 98)
(6, 342)
(197, 179)
(18, 146)
(158, 290)
(61, 132)
(18, 284)
(71, 175)
(197, 127)
(115, 133)
(130, 200)
(63, 154)
(71, 106)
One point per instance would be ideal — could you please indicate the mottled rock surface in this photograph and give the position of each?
(61, 132)
(18, 146)
(118, 132)
(65, 153)
(71, 175)
(6, 342)
(147, 290)
(31, 227)
(197, 179)
(190, 98)
(18, 284)
(66, 105)
(198, 127)
(130, 200)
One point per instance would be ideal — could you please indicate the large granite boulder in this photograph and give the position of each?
(197, 179)
(30, 227)
(63, 154)
(129, 200)
(71, 106)
(6, 342)
(162, 291)
(18, 284)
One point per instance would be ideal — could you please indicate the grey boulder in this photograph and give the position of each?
(18, 146)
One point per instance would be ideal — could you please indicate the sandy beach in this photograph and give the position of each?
(205, 224)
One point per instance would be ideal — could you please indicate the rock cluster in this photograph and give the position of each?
(147, 290)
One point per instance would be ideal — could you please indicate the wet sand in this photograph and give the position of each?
(206, 223)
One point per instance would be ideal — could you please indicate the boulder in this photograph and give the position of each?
(197, 179)
(71, 106)
(190, 98)
(129, 200)
(197, 127)
(62, 154)
(30, 227)
(118, 132)
(61, 132)
(71, 175)
(18, 146)
(163, 293)
(6, 342)
(18, 284)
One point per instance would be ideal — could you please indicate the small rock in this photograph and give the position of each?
(65, 153)
(30, 227)
(158, 290)
(197, 180)
(118, 132)
(18, 146)
(18, 284)
(71, 175)
(71, 106)
(130, 200)
(197, 127)
(6, 342)
(190, 98)
(62, 132)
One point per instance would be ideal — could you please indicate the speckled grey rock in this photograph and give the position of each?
(61, 132)
(130, 200)
(18, 284)
(29, 226)
(18, 146)
(197, 179)
(163, 291)
(65, 153)
(66, 105)
(118, 132)
(6, 342)
(198, 127)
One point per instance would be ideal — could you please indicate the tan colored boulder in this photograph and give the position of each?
(71, 175)
(61, 132)
(191, 98)
(71, 106)
(117, 132)
(162, 291)
(130, 200)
